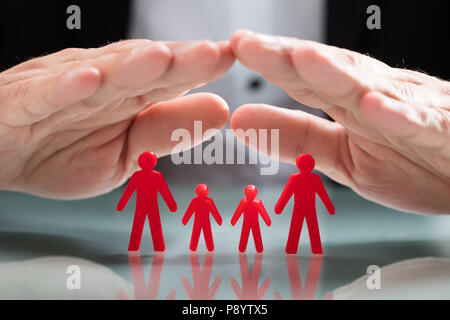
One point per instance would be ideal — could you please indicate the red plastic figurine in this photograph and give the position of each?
(202, 205)
(304, 185)
(147, 183)
(251, 207)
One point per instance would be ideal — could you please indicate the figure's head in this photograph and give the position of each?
(250, 192)
(202, 190)
(147, 160)
(305, 162)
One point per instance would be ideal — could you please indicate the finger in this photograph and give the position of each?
(161, 70)
(422, 126)
(61, 60)
(118, 146)
(314, 74)
(129, 71)
(224, 63)
(26, 102)
(153, 128)
(70, 55)
(299, 132)
(193, 62)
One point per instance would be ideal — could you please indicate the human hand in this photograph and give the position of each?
(73, 123)
(390, 142)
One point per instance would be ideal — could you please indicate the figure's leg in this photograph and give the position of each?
(257, 238)
(207, 233)
(314, 235)
(294, 233)
(136, 231)
(156, 230)
(195, 237)
(244, 238)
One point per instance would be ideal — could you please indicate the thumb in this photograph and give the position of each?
(153, 128)
(299, 132)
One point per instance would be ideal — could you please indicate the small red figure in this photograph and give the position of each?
(250, 280)
(304, 185)
(147, 183)
(251, 207)
(201, 290)
(202, 205)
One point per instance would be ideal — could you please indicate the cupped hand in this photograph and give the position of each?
(73, 123)
(391, 139)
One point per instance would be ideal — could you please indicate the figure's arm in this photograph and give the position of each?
(189, 212)
(215, 212)
(324, 196)
(285, 196)
(129, 190)
(264, 214)
(167, 195)
(237, 214)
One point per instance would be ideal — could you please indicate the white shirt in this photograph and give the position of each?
(175, 20)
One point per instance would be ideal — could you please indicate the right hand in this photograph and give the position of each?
(390, 141)
(73, 123)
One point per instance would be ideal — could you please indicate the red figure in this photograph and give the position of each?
(141, 290)
(250, 207)
(308, 292)
(201, 289)
(304, 185)
(202, 205)
(147, 183)
(250, 280)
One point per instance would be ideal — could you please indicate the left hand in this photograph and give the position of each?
(73, 123)
(391, 139)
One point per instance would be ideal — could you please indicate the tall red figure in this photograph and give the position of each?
(304, 185)
(202, 205)
(147, 183)
(251, 207)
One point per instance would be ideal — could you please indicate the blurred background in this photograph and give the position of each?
(412, 35)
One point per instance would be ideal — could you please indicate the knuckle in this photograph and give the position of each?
(403, 90)
(69, 52)
(443, 121)
(21, 89)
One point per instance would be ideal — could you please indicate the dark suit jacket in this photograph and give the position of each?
(413, 33)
